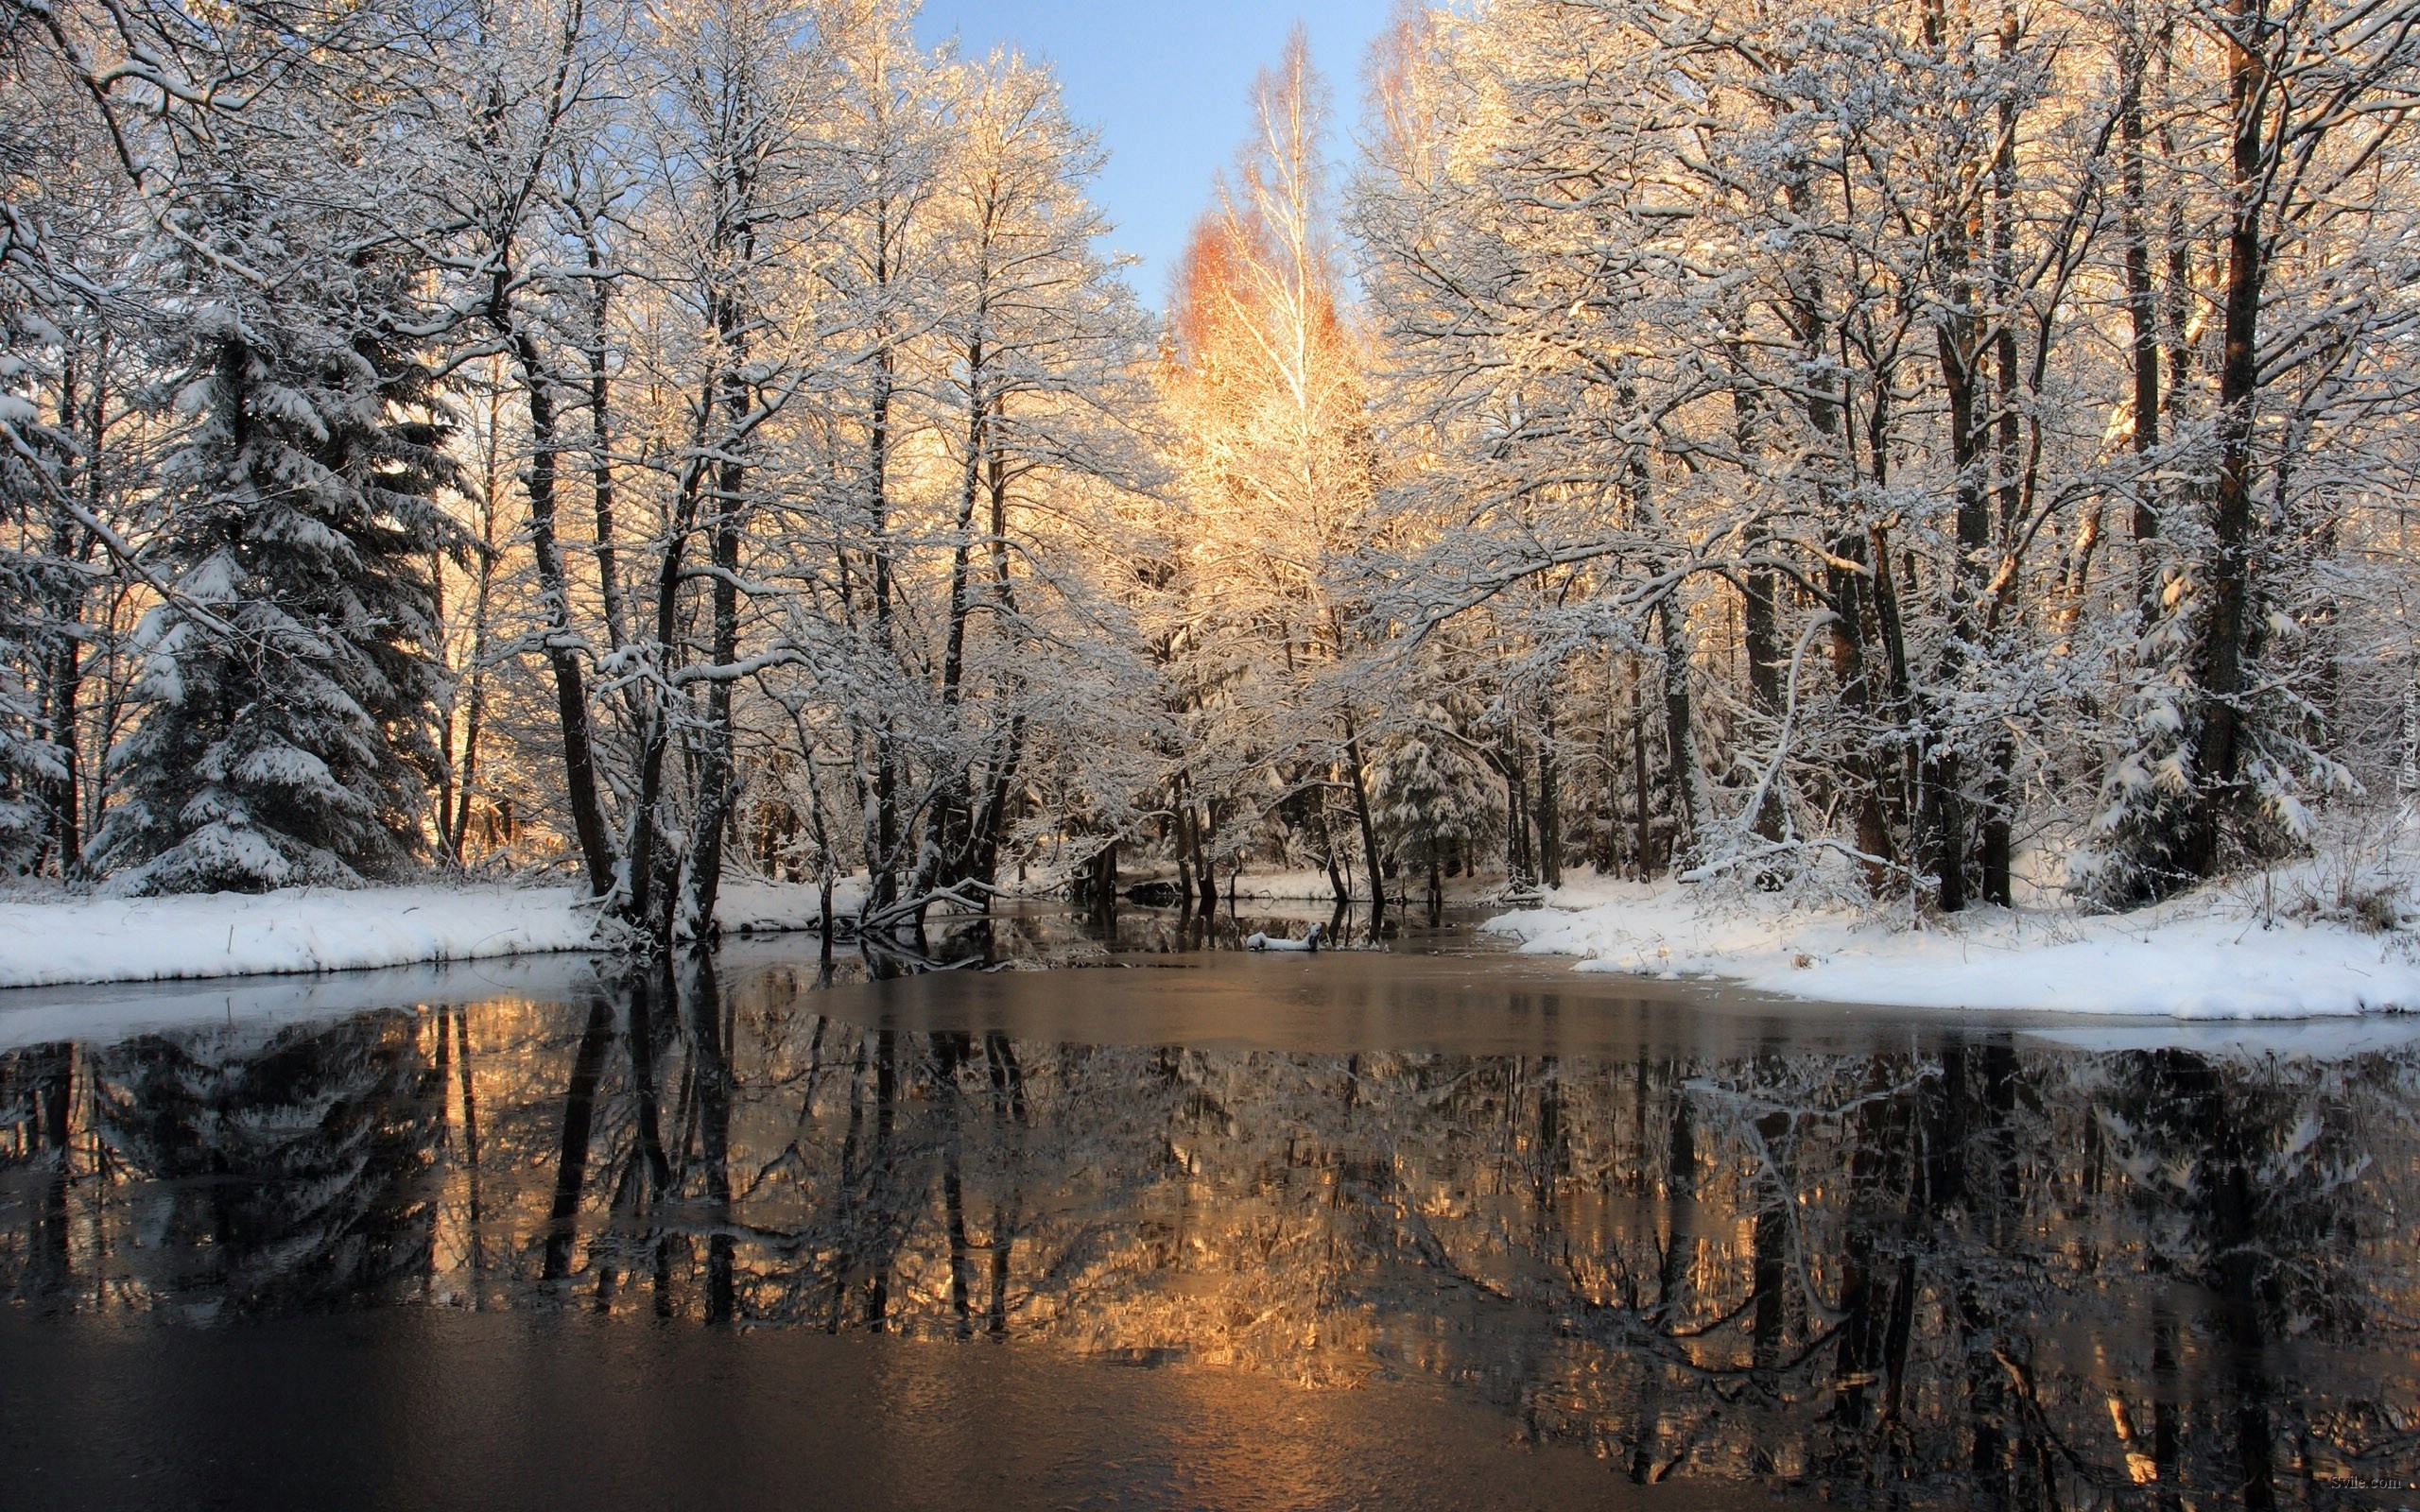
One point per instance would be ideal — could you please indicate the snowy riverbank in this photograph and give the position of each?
(2219, 954)
(53, 942)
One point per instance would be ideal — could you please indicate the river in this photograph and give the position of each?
(1123, 1216)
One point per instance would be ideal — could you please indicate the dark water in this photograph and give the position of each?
(1189, 1229)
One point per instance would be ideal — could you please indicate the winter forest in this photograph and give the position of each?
(1931, 454)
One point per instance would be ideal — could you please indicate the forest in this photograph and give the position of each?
(1910, 455)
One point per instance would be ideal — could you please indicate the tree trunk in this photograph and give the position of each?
(1646, 834)
(1549, 805)
(1759, 633)
(1336, 885)
(70, 542)
(1369, 826)
(63, 794)
(2218, 664)
(654, 870)
(1010, 756)
(2142, 316)
(883, 837)
(992, 823)
(1204, 869)
(718, 781)
(1760, 637)
(1941, 844)
(955, 816)
(1848, 598)
(474, 716)
(562, 656)
(600, 443)
(1692, 803)
(1520, 866)
(1996, 848)
(1105, 883)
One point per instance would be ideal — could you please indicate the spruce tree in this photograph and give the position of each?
(294, 683)
(1435, 798)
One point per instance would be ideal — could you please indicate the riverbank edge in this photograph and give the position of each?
(2230, 952)
(64, 942)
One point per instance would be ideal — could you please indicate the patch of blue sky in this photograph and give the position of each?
(1165, 85)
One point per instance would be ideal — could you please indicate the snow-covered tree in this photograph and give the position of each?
(293, 730)
(1815, 351)
(291, 672)
(1266, 384)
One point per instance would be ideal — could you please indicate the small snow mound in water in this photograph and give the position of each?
(1266, 942)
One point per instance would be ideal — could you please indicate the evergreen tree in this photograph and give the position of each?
(294, 749)
(1435, 797)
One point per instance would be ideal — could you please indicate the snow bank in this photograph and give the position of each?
(777, 907)
(2197, 958)
(1271, 887)
(301, 928)
(316, 929)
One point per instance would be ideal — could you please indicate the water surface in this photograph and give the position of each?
(1179, 1226)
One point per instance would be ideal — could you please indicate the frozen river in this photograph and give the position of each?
(1175, 1225)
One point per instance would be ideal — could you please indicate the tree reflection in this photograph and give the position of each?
(225, 1170)
(1946, 1269)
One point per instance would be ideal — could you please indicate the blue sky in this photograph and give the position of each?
(1165, 85)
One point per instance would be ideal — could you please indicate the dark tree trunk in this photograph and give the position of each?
(718, 777)
(1996, 842)
(601, 444)
(1104, 882)
(1846, 592)
(1549, 805)
(1942, 850)
(562, 655)
(474, 717)
(718, 781)
(1205, 873)
(1760, 637)
(654, 871)
(63, 675)
(1369, 827)
(1519, 869)
(1645, 841)
(2142, 314)
(954, 815)
(883, 839)
(2219, 669)
(63, 793)
(1691, 806)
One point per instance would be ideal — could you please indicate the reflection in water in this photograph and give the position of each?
(1946, 1267)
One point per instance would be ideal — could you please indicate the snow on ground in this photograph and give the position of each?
(301, 928)
(2204, 957)
(775, 908)
(1292, 886)
(58, 940)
